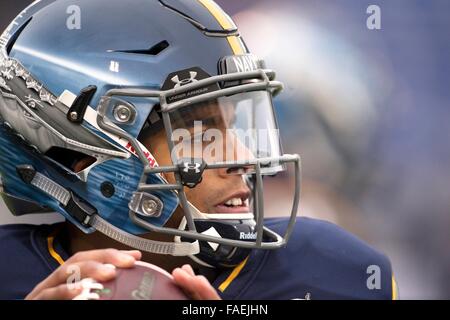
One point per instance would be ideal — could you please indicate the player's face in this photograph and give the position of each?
(221, 190)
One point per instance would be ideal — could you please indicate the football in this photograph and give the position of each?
(142, 282)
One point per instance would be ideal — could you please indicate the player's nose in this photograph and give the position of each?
(235, 172)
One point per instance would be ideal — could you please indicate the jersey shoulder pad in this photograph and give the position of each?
(23, 248)
(320, 261)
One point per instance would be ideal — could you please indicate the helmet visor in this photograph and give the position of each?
(228, 129)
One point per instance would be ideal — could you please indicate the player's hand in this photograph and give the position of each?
(98, 265)
(196, 287)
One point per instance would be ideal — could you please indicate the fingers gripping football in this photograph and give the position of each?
(99, 265)
(83, 275)
(197, 287)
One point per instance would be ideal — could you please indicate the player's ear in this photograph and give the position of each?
(82, 164)
(72, 160)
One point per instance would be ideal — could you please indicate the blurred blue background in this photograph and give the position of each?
(369, 112)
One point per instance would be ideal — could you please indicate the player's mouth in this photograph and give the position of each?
(236, 203)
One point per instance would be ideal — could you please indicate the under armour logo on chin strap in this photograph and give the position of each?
(183, 82)
(191, 171)
(189, 167)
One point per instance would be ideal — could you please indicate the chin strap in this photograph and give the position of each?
(177, 239)
(159, 247)
(87, 216)
(213, 225)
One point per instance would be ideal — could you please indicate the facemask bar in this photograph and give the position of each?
(259, 203)
(261, 80)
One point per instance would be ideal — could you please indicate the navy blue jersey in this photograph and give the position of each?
(321, 261)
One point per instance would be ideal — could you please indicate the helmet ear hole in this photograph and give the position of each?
(72, 160)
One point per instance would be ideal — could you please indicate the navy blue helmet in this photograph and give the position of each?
(89, 81)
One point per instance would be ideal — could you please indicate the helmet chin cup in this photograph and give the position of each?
(237, 227)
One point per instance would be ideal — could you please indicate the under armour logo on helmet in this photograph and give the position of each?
(179, 83)
(188, 167)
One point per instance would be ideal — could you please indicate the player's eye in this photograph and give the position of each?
(239, 170)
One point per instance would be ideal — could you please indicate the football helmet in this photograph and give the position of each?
(85, 81)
